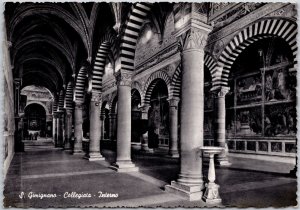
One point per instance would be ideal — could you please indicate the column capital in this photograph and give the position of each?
(220, 92)
(78, 104)
(144, 109)
(112, 115)
(68, 112)
(194, 38)
(9, 44)
(173, 102)
(96, 97)
(17, 82)
(123, 77)
(55, 115)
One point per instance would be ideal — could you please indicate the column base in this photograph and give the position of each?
(223, 163)
(173, 154)
(191, 192)
(77, 152)
(144, 147)
(94, 157)
(211, 195)
(126, 166)
(67, 146)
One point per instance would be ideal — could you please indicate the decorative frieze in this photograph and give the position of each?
(159, 57)
(226, 33)
(123, 78)
(236, 14)
(157, 51)
(287, 11)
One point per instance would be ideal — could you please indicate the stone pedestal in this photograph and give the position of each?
(173, 115)
(68, 130)
(190, 180)
(123, 163)
(211, 195)
(144, 138)
(220, 137)
(95, 131)
(78, 129)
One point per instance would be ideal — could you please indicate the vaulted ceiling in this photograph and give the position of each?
(50, 41)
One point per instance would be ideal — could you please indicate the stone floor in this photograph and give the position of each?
(47, 170)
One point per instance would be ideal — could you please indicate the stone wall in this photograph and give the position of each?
(8, 109)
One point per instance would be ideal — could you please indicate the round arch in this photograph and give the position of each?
(263, 28)
(100, 60)
(39, 103)
(113, 103)
(34, 121)
(80, 84)
(136, 99)
(68, 103)
(151, 82)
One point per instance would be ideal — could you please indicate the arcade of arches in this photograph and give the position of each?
(161, 78)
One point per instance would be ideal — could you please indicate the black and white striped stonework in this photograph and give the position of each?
(61, 101)
(209, 62)
(152, 81)
(139, 12)
(69, 96)
(80, 84)
(55, 105)
(113, 103)
(282, 28)
(107, 45)
(99, 66)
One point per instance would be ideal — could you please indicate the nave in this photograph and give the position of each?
(49, 170)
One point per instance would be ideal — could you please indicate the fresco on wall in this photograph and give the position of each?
(249, 89)
(278, 85)
(280, 120)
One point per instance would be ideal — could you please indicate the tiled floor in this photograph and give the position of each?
(50, 170)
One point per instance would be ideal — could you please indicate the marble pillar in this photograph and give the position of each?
(190, 179)
(59, 125)
(173, 116)
(78, 129)
(112, 125)
(123, 160)
(220, 135)
(68, 130)
(95, 131)
(54, 129)
(144, 138)
(102, 124)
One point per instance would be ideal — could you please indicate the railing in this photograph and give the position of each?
(278, 147)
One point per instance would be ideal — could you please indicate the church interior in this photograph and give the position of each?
(150, 104)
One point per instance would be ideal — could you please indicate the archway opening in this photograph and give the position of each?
(209, 114)
(34, 121)
(158, 115)
(136, 123)
(262, 98)
(113, 119)
(105, 119)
